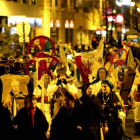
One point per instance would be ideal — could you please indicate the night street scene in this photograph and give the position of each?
(70, 69)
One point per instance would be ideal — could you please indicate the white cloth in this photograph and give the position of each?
(46, 107)
(136, 105)
(96, 88)
(71, 88)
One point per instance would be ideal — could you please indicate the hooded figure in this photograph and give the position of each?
(44, 98)
(110, 104)
(102, 74)
(91, 113)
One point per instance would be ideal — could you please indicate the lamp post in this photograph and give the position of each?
(54, 28)
(131, 4)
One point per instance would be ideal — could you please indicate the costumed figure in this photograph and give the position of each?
(11, 101)
(93, 117)
(30, 122)
(59, 86)
(110, 104)
(102, 74)
(44, 98)
(116, 77)
(135, 100)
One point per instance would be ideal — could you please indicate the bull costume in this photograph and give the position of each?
(110, 104)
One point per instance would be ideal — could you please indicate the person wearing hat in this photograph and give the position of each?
(44, 98)
(110, 103)
(92, 114)
(30, 122)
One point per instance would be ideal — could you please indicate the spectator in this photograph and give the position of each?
(30, 121)
(66, 124)
(110, 104)
(6, 125)
(11, 61)
(92, 114)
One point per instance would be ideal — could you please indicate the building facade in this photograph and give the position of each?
(71, 21)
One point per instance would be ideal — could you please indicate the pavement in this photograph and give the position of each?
(129, 125)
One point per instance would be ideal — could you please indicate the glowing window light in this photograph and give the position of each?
(67, 24)
(15, 20)
(126, 2)
(119, 3)
(119, 18)
(71, 24)
(110, 18)
(123, 30)
(138, 9)
(51, 23)
(132, 3)
(104, 32)
(57, 23)
(98, 31)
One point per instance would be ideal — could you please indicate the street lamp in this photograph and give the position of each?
(131, 4)
(54, 28)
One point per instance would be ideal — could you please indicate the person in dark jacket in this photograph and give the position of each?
(30, 122)
(92, 114)
(110, 104)
(66, 124)
(6, 125)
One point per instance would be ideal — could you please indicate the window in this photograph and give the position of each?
(63, 3)
(24, 1)
(33, 2)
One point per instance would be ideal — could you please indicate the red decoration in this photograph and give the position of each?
(40, 44)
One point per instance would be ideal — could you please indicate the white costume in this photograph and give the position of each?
(45, 105)
(52, 88)
(96, 87)
(135, 104)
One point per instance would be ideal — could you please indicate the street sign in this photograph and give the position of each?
(22, 40)
(23, 28)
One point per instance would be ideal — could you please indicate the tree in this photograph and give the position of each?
(11, 42)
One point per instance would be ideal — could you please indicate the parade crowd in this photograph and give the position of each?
(58, 107)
